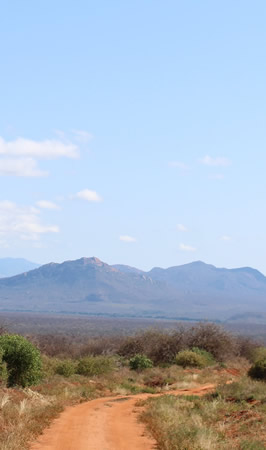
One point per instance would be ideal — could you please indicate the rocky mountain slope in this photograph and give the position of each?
(90, 286)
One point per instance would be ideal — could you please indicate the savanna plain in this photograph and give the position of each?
(191, 385)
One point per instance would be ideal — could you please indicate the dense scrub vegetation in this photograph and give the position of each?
(233, 417)
(160, 346)
(61, 370)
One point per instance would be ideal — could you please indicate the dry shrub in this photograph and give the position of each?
(165, 346)
(161, 347)
(212, 338)
(131, 346)
(101, 346)
(247, 347)
(54, 345)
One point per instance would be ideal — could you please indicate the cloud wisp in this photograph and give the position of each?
(88, 195)
(46, 204)
(20, 167)
(215, 162)
(187, 248)
(19, 157)
(22, 222)
(47, 149)
(182, 228)
(126, 238)
(82, 136)
(225, 238)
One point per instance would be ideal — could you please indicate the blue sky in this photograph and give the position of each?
(133, 131)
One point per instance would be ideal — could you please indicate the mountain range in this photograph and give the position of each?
(14, 266)
(90, 286)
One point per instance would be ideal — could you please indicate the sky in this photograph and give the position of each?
(133, 131)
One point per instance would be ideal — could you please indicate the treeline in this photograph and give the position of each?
(159, 346)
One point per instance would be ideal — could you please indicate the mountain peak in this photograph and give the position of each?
(92, 260)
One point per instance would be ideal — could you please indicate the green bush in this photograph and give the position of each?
(94, 365)
(23, 360)
(3, 368)
(49, 366)
(140, 362)
(66, 368)
(209, 359)
(188, 358)
(258, 370)
(258, 354)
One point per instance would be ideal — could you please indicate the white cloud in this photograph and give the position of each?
(20, 167)
(82, 136)
(21, 222)
(187, 248)
(179, 165)
(46, 204)
(182, 227)
(48, 149)
(218, 161)
(226, 238)
(88, 195)
(126, 238)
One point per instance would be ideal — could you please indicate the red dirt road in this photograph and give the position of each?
(109, 423)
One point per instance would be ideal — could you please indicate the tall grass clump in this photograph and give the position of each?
(95, 365)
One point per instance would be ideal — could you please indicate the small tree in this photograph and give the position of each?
(23, 360)
(140, 362)
(258, 370)
(66, 368)
(188, 358)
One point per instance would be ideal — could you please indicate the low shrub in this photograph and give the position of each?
(140, 362)
(209, 359)
(258, 354)
(247, 347)
(188, 358)
(258, 370)
(66, 368)
(214, 339)
(94, 365)
(165, 348)
(22, 358)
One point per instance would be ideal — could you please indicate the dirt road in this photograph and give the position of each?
(109, 423)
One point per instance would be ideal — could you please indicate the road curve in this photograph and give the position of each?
(109, 423)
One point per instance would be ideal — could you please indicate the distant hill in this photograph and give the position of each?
(127, 269)
(90, 286)
(14, 266)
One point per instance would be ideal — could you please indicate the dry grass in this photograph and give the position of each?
(232, 418)
(24, 413)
